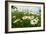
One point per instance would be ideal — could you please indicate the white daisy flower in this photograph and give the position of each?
(29, 17)
(34, 21)
(25, 17)
(16, 20)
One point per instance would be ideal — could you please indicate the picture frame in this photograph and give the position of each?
(10, 28)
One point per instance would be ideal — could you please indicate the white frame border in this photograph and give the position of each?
(23, 29)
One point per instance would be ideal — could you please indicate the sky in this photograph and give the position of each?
(29, 8)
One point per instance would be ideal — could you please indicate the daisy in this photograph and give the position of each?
(29, 17)
(34, 21)
(25, 17)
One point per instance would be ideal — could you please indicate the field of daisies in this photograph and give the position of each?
(25, 18)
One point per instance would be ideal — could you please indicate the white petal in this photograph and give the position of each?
(33, 23)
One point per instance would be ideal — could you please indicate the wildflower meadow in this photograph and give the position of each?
(22, 16)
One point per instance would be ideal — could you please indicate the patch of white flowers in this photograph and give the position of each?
(34, 21)
(27, 17)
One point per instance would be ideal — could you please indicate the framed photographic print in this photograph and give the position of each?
(23, 16)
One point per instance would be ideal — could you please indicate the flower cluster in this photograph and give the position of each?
(28, 17)
(34, 21)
